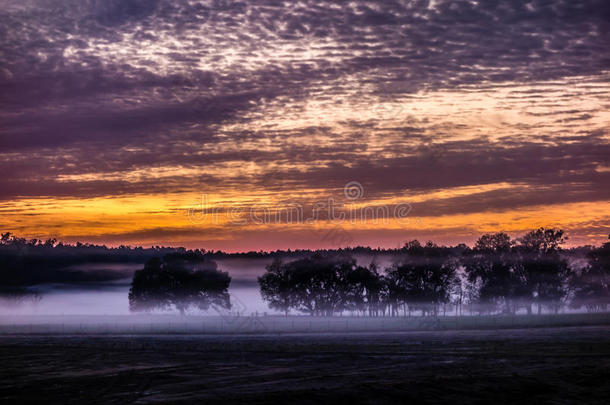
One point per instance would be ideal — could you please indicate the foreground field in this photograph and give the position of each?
(229, 324)
(546, 365)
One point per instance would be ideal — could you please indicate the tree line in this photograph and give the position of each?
(29, 262)
(497, 275)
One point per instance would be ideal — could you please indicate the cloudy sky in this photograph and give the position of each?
(119, 117)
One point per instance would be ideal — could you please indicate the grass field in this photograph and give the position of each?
(534, 365)
(546, 365)
(175, 324)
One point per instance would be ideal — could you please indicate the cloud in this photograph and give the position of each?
(124, 97)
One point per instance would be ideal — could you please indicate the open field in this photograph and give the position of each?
(174, 324)
(544, 365)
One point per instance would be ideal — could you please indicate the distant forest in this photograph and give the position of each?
(496, 275)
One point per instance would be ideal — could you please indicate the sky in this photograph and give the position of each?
(206, 123)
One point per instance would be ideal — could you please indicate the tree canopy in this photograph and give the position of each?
(179, 280)
(498, 274)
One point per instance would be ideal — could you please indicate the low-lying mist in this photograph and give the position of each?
(111, 298)
(498, 276)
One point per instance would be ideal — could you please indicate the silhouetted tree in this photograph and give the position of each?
(544, 268)
(421, 280)
(181, 280)
(493, 268)
(591, 287)
(365, 290)
(317, 285)
(276, 287)
(320, 283)
(543, 240)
